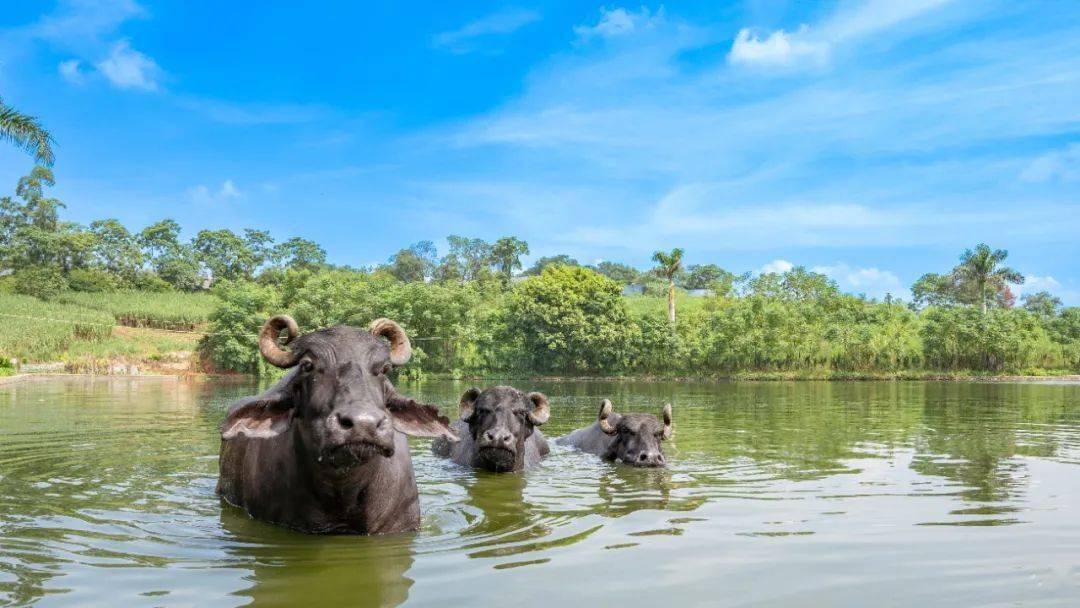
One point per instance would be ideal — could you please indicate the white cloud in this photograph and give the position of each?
(202, 195)
(776, 267)
(127, 68)
(812, 46)
(872, 282)
(1069, 295)
(80, 24)
(1061, 166)
(462, 40)
(71, 71)
(778, 49)
(619, 22)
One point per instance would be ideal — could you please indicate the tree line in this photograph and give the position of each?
(477, 309)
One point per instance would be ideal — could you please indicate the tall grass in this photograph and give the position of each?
(33, 330)
(164, 310)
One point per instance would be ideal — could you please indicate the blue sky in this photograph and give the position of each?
(872, 140)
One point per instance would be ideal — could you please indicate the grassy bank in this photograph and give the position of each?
(89, 333)
(157, 310)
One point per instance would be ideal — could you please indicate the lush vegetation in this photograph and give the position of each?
(37, 330)
(159, 310)
(470, 313)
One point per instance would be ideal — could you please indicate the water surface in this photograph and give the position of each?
(808, 494)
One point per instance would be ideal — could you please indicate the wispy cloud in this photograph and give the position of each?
(620, 22)
(71, 71)
(812, 45)
(776, 266)
(466, 38)
(1056, 166)
(82, 24)
(202, 195)
(127, 68)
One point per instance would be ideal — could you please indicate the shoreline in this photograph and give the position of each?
(749, 378)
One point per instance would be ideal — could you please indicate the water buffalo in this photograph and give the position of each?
(324, 449)
(630, 438)
(498, 430)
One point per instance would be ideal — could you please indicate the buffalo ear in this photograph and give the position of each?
(467, 403)
(418, 419)
(260, 417)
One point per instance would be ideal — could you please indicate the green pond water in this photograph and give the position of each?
(786, 494)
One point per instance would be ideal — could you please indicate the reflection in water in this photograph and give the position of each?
(290, 569)
(815, 491)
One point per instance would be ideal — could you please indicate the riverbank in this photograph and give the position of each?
(763, 377)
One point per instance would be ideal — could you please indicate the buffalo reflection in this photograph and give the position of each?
(289, 568)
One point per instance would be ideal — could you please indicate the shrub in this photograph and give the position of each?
(91, 280)
(39, 282)
(568, 319)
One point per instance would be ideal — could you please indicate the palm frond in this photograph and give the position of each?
(27, 133)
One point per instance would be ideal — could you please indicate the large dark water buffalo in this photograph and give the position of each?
(498, 430)
(324, 449)
(633, 439)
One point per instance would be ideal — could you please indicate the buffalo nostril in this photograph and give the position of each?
(506, 438)
(345, 421)
(642, 457)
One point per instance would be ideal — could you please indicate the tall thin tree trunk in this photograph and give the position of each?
(671, 301)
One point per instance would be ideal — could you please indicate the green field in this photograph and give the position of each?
(166, 310)
(37, 331)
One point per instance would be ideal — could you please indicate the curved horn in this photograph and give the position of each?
(400, 347)
(602, 418)
(666, 416)
(268, 346)
(467, 403)
(542, 412)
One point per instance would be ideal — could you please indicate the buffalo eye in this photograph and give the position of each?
(383, 369)
(306, 366)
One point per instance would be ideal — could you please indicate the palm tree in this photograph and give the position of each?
(26, 132)
(981, 268)
(669, 265)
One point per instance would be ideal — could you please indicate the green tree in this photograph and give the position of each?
(620, 273)
(225, 254)
(31, 233)
(115, 249)
(932, 289)
(545, 262)
(668, 266)
(467, 259)
(160, 239)
(261, 246)
(506, 255)
(709, 276)
(1042, 303)
(568, 319)
(982, 268)
(27, 133)
(175, 262)
(414, 264)
(231, 343)
(299, 253)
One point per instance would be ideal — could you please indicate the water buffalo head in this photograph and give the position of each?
(637, 436)
(336, 399)
(500, 419)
